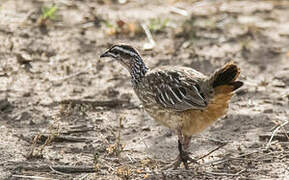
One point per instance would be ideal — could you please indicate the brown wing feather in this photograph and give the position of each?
(173, 89)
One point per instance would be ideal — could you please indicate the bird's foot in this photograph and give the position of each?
(182, 158)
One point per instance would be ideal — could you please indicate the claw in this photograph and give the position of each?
(184, 158)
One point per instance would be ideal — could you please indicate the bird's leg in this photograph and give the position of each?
(183, 157)
(186, 142)
(183, 145)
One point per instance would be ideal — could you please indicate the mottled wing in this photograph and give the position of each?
(176, 91)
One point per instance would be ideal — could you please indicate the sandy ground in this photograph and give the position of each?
(66, 114)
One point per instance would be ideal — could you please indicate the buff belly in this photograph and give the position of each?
(193, 121)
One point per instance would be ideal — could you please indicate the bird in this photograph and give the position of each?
(180, 98)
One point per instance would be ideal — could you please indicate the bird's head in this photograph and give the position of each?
(130, 59)
(125, 54)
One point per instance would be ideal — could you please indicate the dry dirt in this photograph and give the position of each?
(66, 114)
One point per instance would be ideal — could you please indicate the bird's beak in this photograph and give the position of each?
(107, 54)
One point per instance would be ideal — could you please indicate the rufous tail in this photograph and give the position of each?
(225, 77)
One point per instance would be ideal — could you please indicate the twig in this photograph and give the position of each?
(286, 133)
(83, 177)
(33, 146)
(70, 76)
(63, 138)
(142, 140)
(62, 169)
(216, 141)
(279, 136)
(118, 132)
(57, 172)
(269, 154)
(225, 174)
(132, 160)
(109, 103)
(151, 43)
(119, 103)
(108, 166)
(179, 11)
(202, 157)
(32, 177)
(274, 132)
(170, 172)
(80, 130)
(227, 159)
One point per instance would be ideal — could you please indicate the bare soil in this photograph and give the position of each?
(66, 114)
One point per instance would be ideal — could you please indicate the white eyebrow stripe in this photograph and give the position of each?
(125, 51)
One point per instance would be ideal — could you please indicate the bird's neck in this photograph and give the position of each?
(138, 70)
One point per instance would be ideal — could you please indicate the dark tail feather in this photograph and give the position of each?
(227, 76)
(236, 84)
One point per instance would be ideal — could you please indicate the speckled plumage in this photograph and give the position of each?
(190, 118)
(180, 98)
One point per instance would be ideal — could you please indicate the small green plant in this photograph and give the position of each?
(158, 24)
(49, 12)
(108, 24)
